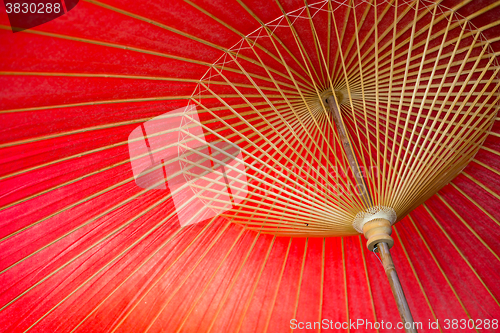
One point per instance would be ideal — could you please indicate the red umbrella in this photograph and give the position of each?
(84, 248)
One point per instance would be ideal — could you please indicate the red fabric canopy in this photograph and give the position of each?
(83, 249)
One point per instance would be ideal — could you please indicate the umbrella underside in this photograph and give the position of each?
(84, 248)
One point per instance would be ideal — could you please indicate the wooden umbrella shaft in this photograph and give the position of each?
(382, 246)
(348, 149)
(397, 290)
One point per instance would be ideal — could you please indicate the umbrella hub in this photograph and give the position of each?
(375, 223)
(341, 95)
(377, 231)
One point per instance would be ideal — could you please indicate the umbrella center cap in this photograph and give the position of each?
(339, 95)
(375, 223)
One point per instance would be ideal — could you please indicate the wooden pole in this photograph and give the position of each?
(397, 290)
(377, 231)
(378, 234)
(349, 151)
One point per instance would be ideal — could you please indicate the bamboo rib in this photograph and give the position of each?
(443, 119)
(73, 180)
(245, 138)
(131, 122)
(398, 102)
(344, 270)
(208, 248)
(239, 33)
(300, 123)
(176, 31)
(113, 232)
(133, 77)
(111, 262)
(198, 298)
(385, 169)
(483, 186)
(433, 151)
(300, 279)
(468, 226)
(278, 285)
(451, 27)
(306, 104)
(440, 268)
(475, 203)
(84, 200)
(322, 283)
(424, 29)
(392, 180)
(321, 121)
(255, 284)
(206, 285)
(462, 255)
(101, 102)
(287, 118)
(358, 54)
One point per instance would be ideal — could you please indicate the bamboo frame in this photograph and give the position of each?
(446, 120)
(304, 121)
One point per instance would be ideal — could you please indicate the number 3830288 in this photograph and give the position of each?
(32, 8)
(471, 324)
